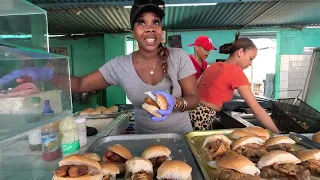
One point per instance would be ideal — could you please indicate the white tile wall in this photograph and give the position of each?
(293, 73)
(284, 76)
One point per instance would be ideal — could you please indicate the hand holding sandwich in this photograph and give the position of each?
(159, 105)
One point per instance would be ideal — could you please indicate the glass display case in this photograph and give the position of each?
(23, 24)
(34, 89)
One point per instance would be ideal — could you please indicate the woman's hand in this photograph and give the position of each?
(257, 110)
(31, 73)
(165, 113)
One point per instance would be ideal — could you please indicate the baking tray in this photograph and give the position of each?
(99, 116)
(139, 142)
(195, 141)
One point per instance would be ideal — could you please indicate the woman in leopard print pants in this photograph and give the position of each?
(219, 81)
(202, 118)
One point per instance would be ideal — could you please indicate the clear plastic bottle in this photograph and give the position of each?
(34, 138)
(33, 107)
(70, 142)
(82, 130)
(51, 149)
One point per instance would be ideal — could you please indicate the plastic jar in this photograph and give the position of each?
(50, 142)
(82, 130)
(70, 139)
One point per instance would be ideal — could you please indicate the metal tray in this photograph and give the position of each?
(99, 116)
(138, 143)
(195, 141)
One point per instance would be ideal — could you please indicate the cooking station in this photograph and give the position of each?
(237, 114)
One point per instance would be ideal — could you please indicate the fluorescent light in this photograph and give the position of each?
(175, 5)
(312, 27)
(197, 4)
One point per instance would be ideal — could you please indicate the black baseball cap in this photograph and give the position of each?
(141, 6)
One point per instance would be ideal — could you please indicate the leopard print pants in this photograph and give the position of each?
(202, 117)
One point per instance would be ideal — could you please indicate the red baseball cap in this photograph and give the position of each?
(205, 42)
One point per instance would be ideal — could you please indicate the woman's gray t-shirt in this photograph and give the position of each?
(121, 72)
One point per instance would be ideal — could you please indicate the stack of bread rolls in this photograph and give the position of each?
(99, 110)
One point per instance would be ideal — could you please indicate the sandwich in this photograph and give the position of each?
(258, 131)
(86, 112)
(316, 137)
(282, 143)
(234, 166)
(93, 156)
(239, 133)
(78, 167)
(117, 154)
(215, 147)
(157, 155)
(154, 103)
(310, 159)
(138, 168)
(109, 171)
(250, 147)
(174, 170)
(282, 165)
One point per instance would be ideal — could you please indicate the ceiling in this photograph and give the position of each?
(105, 16)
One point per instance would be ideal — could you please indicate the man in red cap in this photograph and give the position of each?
(202, 47)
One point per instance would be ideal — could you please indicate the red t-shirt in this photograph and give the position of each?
(219, 82)
(199, 69)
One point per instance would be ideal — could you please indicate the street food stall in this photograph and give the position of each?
(36, 123)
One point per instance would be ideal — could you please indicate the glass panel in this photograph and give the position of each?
(22, 104)
(23, 24)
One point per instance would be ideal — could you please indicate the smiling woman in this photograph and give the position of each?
(167, 72)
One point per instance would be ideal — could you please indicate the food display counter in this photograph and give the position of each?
(15, 155)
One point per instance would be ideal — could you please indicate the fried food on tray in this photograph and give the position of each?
(215, 147)
(316, 137)
(239, 133)
(157, 155)
(78, 166)
(282, 143)
(117, 154)
(258, 131)
(93, 156)
(234, 166)
(284, 165)
(310, 159)
(109, 171)
(138, 168)
(174, 170)
(86, 111)
(250, 147)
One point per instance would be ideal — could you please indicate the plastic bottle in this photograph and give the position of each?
(47, 107)
(82, 130)
(35, 135)
(50, 142)
(70, 142)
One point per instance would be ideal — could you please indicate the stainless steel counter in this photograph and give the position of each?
(18, 162)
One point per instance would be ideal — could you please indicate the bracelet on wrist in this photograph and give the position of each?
(181, 104)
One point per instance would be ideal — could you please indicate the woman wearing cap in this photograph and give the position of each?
(202, 47)
(164, 71)
(221, 79)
